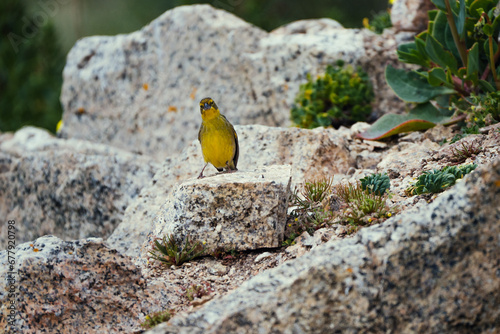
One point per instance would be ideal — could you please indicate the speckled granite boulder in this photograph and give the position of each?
(72, 287)
(70, 188)
(311, 153)
(410, 15)
(435, 269)
(140, 91)
(236, 211)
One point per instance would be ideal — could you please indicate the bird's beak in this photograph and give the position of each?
(206, 106)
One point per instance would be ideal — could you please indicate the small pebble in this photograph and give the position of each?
(262, 256)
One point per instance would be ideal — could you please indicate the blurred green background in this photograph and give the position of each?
(37, 35)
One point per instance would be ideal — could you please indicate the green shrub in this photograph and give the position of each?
(341, 97)
(436, 181)
(31, 64)
(458, 74)
(376, 183)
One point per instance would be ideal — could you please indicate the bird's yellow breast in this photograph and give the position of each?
(217, 141)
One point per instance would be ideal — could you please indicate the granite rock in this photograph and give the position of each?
(140, 91)
(312, 154)
(234, 211)
(405, 158)
(434, 269)
(70, 188)
(410, 15)
(71, 286)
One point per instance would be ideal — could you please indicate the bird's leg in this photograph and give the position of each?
(228, 169)
(201, 173)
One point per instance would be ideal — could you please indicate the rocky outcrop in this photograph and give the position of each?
(432, 270)
(72, 188)
(237, 211)
(68, 286)
(312, 154)
(140, 92)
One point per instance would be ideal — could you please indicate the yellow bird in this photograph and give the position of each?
(218, 140)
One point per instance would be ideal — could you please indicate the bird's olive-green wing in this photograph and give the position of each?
(237, 150)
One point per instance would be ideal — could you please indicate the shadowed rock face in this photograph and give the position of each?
(71, 188)
(68, 286)
(434, 269)
(140, 91)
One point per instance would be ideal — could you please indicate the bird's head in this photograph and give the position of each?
(208, 109)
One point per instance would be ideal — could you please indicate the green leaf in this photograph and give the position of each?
(437, 77)
(450, 44)
(473, 61)
(442, 102)
(485, 85)
(487, 48)
(420, 43)
(439, 4)
(488, 29)
(431, 14)
(485, 5)
(408, 53)
(439, 55)
(422, 117)
(460, 20)
(496, 27)
(412, 87)
(439, 28)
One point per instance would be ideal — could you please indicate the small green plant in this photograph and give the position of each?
(380, 21)
(433, 181)
(170, 253)
(157, 318)
(482, 110)
(436, 181)
(377, 184)
(341, 97)
(312, 192)
(458, 55)
(290, 240)
(362, 207)
(319, 204)
(460, 153)
(198, 291)
(310, 210)
(459, 171)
